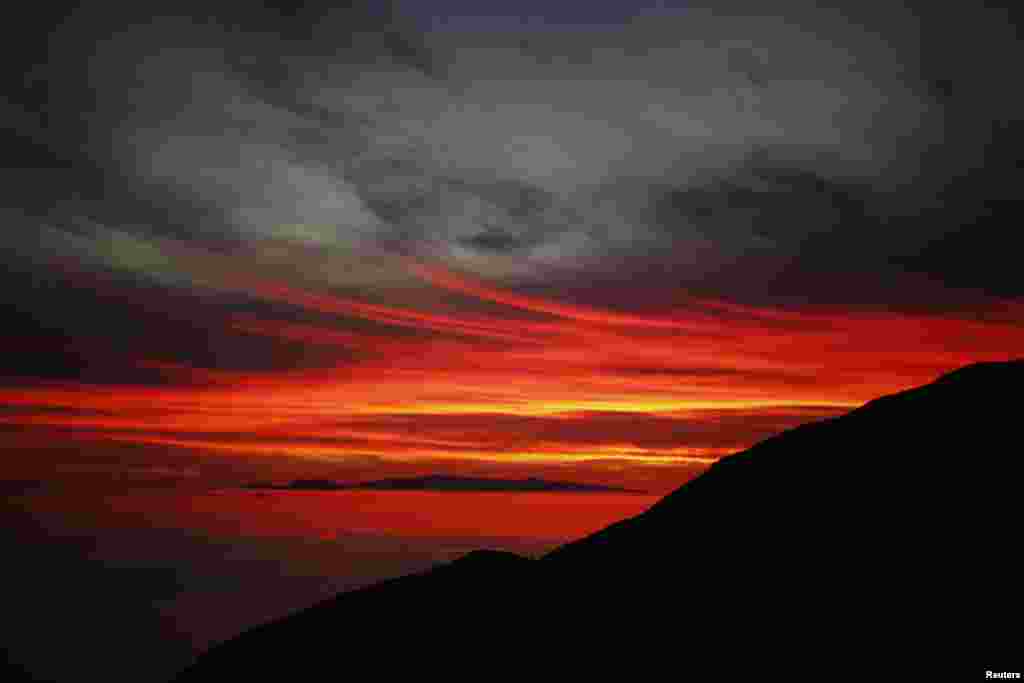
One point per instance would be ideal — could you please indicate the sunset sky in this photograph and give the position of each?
(599, 243)
(604, 245)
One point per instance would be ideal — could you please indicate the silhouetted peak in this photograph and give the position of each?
(986, 374)
(930, 443)
(978, 390)
(895, 515)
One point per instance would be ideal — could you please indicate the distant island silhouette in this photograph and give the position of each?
(861, 547)
(441, 483)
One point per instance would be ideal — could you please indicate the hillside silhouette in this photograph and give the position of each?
(881, 542)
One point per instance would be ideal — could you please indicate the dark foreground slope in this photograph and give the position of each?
(882, 542)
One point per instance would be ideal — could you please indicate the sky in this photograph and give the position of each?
(601, 242)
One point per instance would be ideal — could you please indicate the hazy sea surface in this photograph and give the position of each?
(129, 585)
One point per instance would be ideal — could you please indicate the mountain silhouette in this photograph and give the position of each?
(438, 482)
(880, 543)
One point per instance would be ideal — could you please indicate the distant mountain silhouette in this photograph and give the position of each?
(878, 545)
(438, 482)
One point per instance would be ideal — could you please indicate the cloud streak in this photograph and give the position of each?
(376, 233)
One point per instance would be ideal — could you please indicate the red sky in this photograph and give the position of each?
(467, 377)
(259, 245)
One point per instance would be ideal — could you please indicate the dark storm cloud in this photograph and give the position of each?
(121, 330)
(802, 154)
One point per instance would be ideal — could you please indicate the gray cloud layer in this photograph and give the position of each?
(717, 140)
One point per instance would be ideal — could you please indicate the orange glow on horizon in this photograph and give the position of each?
(549, 388)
